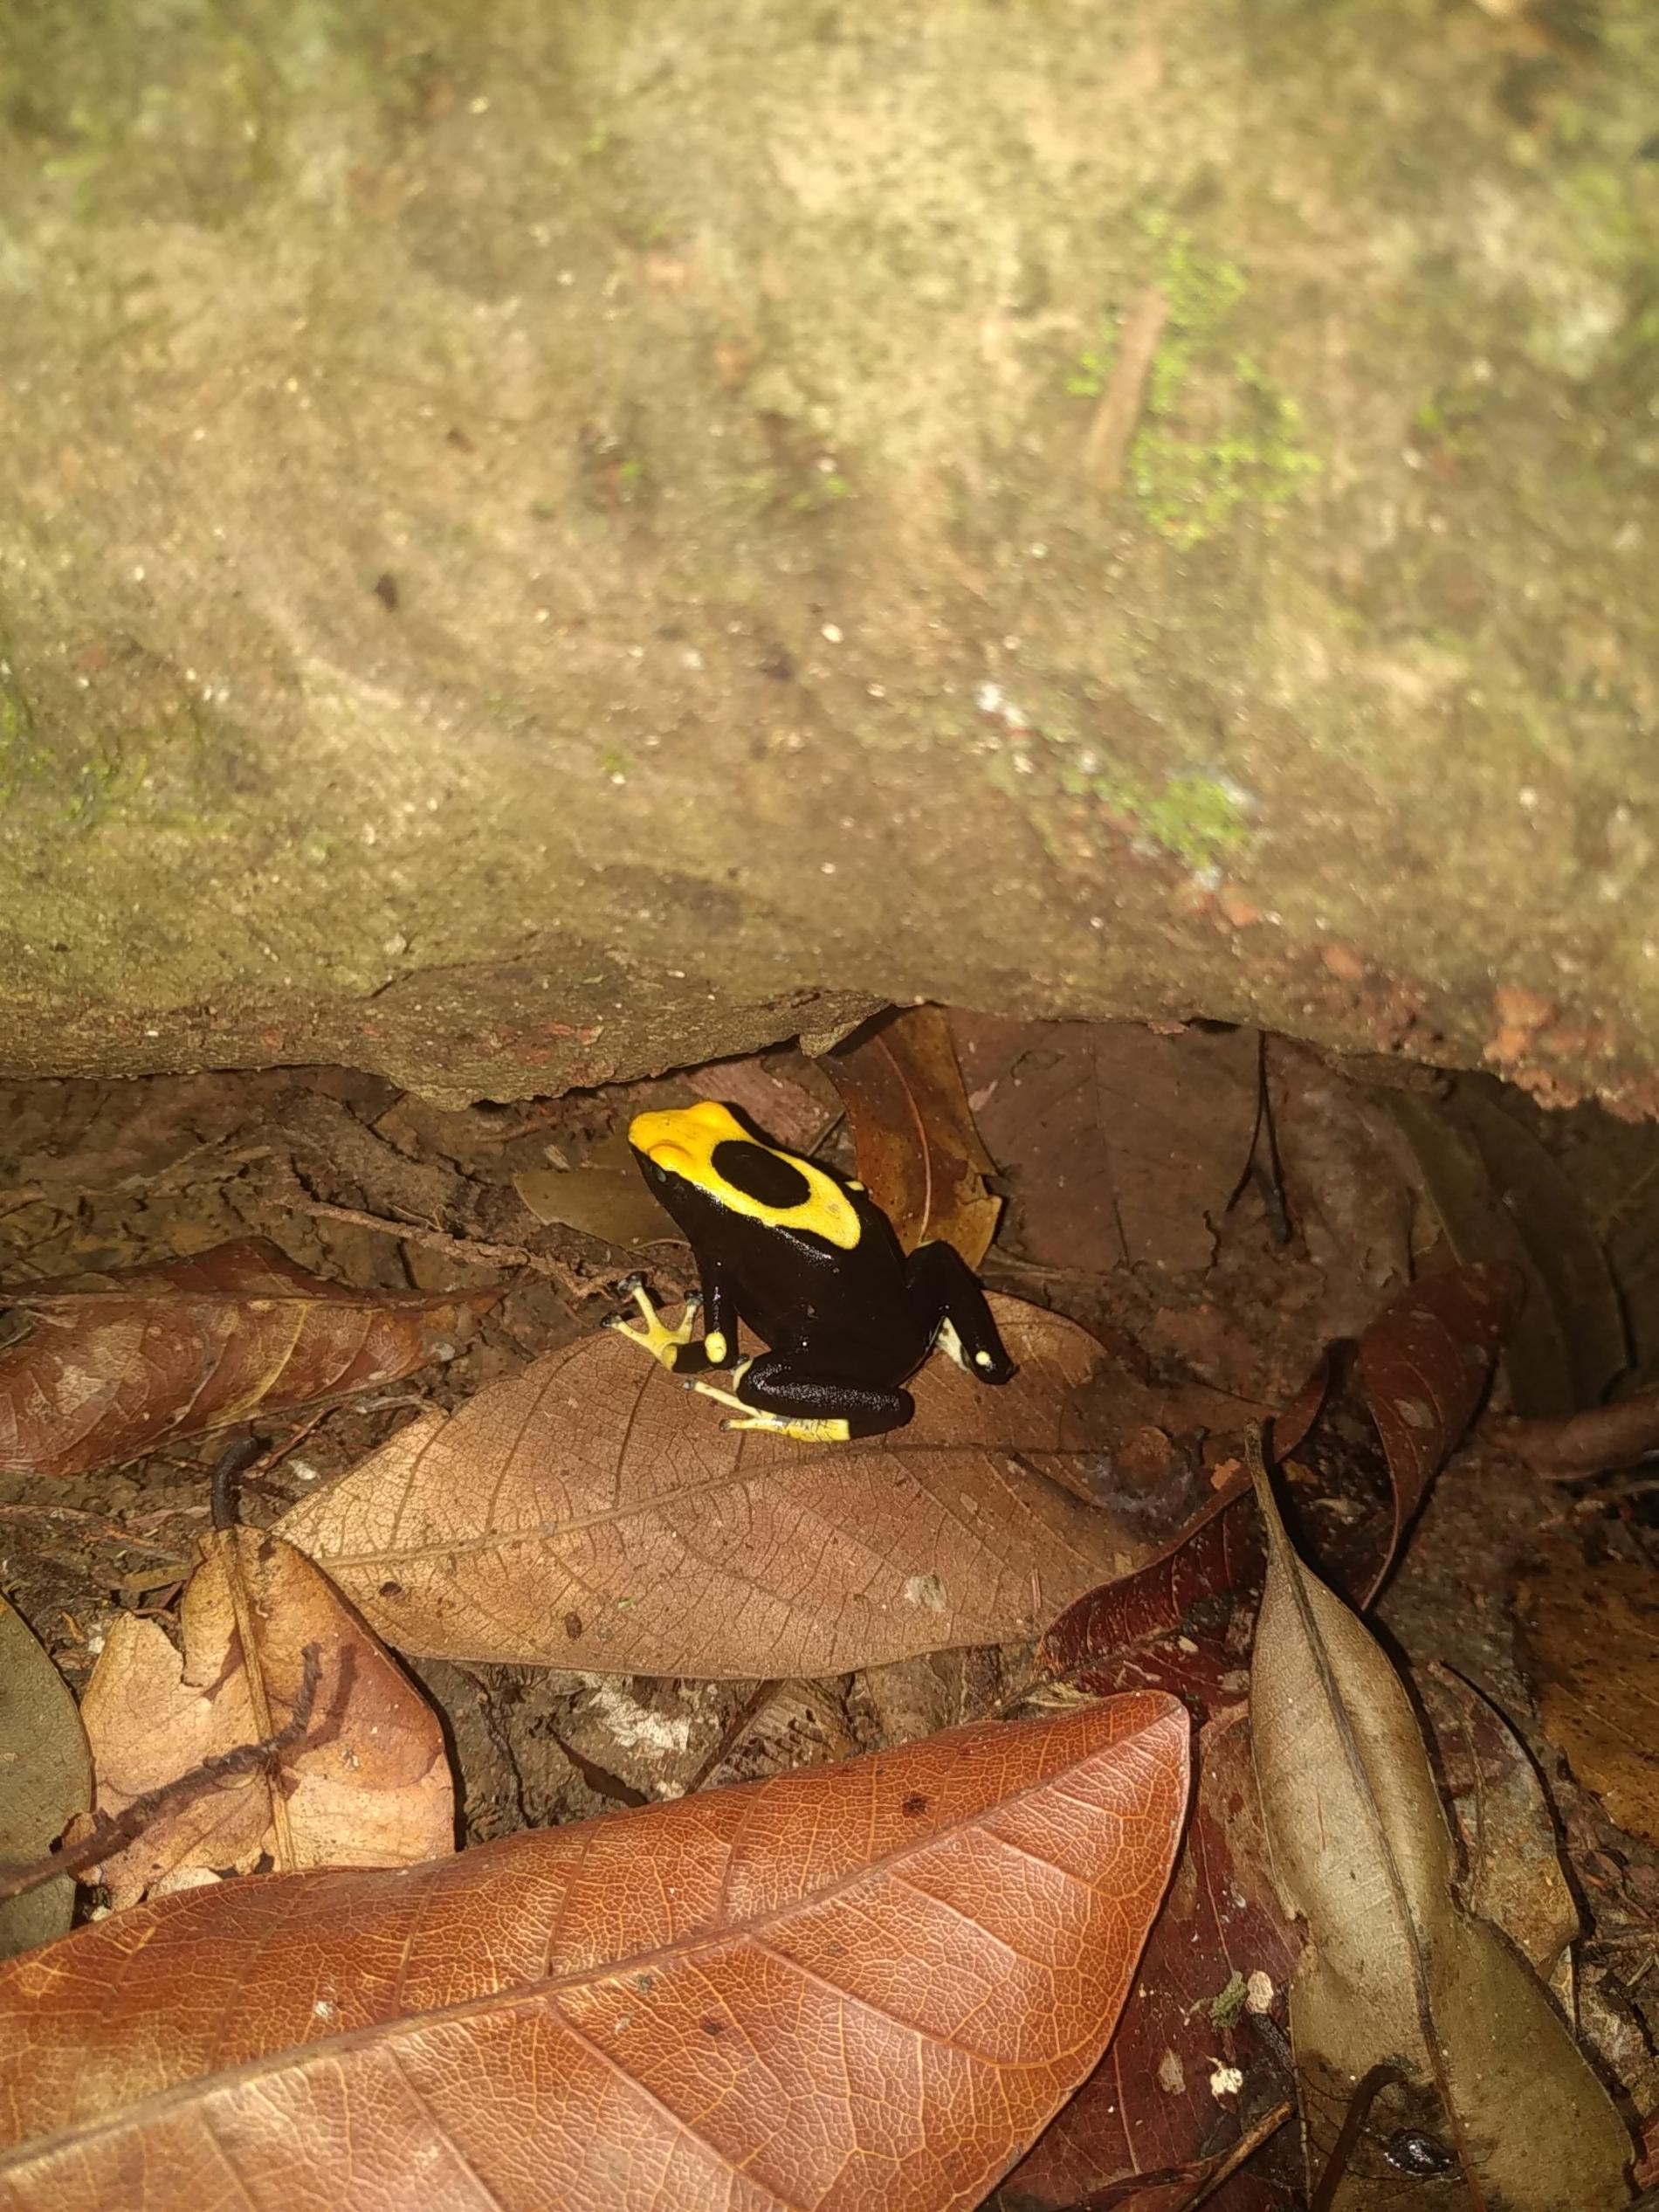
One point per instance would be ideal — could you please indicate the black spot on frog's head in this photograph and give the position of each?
(761, 1173)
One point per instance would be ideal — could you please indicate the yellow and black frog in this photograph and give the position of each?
(808, 1260)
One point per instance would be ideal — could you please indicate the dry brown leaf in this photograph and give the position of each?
(865, 1986)
(919, 1153)
(46, 1780)
(367, 1784)
(1125, 1146)
(118, 1363)
(790, 1099)
(590, 1513)
(1394, 1971)
(604, 1195)
(1592, 1632)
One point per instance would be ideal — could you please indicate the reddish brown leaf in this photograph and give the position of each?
(1169, 1625)
(863, 1985)
(1154, 2104)
(1424, 1365)
(918, 1151)
(116, 1364)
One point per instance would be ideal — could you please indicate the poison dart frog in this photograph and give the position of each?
(811, 1262)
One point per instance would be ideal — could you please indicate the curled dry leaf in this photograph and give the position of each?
(867, 1984)
(1172, 1624)
(1396, 1971)
(918, 1151)
(1592, 1442)
(1424, 1366)
(116, 1364)
(590, 1513)
(46, 1780)
(366, 1784)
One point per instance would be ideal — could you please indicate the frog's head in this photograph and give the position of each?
(705, 1154)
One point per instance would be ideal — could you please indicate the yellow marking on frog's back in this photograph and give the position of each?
(684, 1139)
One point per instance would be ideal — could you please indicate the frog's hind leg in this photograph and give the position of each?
(945, 1294)
(776, 1392)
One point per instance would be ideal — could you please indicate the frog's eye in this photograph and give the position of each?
(762, 1175)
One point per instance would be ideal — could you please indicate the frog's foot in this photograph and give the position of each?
(777, 1424)
(655, 1336)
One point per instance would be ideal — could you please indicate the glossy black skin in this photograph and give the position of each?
(846, 1326)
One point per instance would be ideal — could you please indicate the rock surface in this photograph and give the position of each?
(541, 541)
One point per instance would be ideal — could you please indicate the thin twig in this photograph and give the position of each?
(1365, 2095)
(1246, 2147)
(237, 1458)
(734, 1732)
(1600, 1440)
(95, 1526)
(1106, 448)
(463, 1248)
(107, 1834)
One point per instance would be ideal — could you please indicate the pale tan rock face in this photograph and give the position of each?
(542, 542)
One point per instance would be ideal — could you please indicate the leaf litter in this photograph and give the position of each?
(681, 2000)
(359, 1184)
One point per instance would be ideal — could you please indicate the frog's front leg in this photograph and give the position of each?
(674, 1348)
(953, 1313)
(786, 1393)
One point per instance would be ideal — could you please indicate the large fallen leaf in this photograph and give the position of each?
(918, 1151)
(118, 1363)
(590, 1513)
(366, 1784)
(1124, 1147)
(1592, 1631)
(1396, 1971)
(867, 1985)
(46, 1780)
(1186, 2073)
